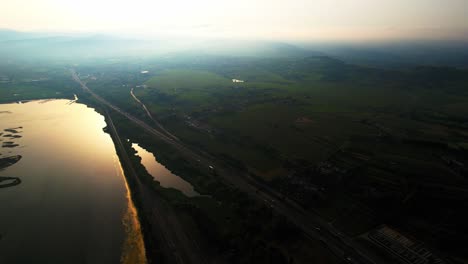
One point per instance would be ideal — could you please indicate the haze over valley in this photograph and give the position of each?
(233, 132)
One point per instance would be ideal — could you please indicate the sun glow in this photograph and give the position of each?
(300, 19)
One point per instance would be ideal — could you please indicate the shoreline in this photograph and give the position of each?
(33, 100)
(129, 222)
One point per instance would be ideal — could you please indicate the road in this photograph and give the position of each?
(156, 122)
(313, 226)
(177, 246)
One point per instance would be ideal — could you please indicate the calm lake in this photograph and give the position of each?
(73, 203)
(161, 174)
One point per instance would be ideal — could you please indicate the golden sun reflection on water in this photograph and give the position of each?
(133, 248)
(74, 202)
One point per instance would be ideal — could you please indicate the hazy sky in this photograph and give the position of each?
(270, 19)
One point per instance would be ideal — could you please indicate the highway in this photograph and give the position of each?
(151, 116)
(313, 226)
(176, 245)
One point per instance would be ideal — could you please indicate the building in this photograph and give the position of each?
(406, 249)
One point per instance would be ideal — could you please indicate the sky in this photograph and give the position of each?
(304, 20)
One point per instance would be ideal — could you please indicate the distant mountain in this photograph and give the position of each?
(253, 48)
(6, 35)
(398, 55)
(69, 46)
(48, 46)
(43, 45)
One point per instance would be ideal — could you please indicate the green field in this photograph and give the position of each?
(27, 81)
(375, 143)
(306, 117)
(361, 146)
